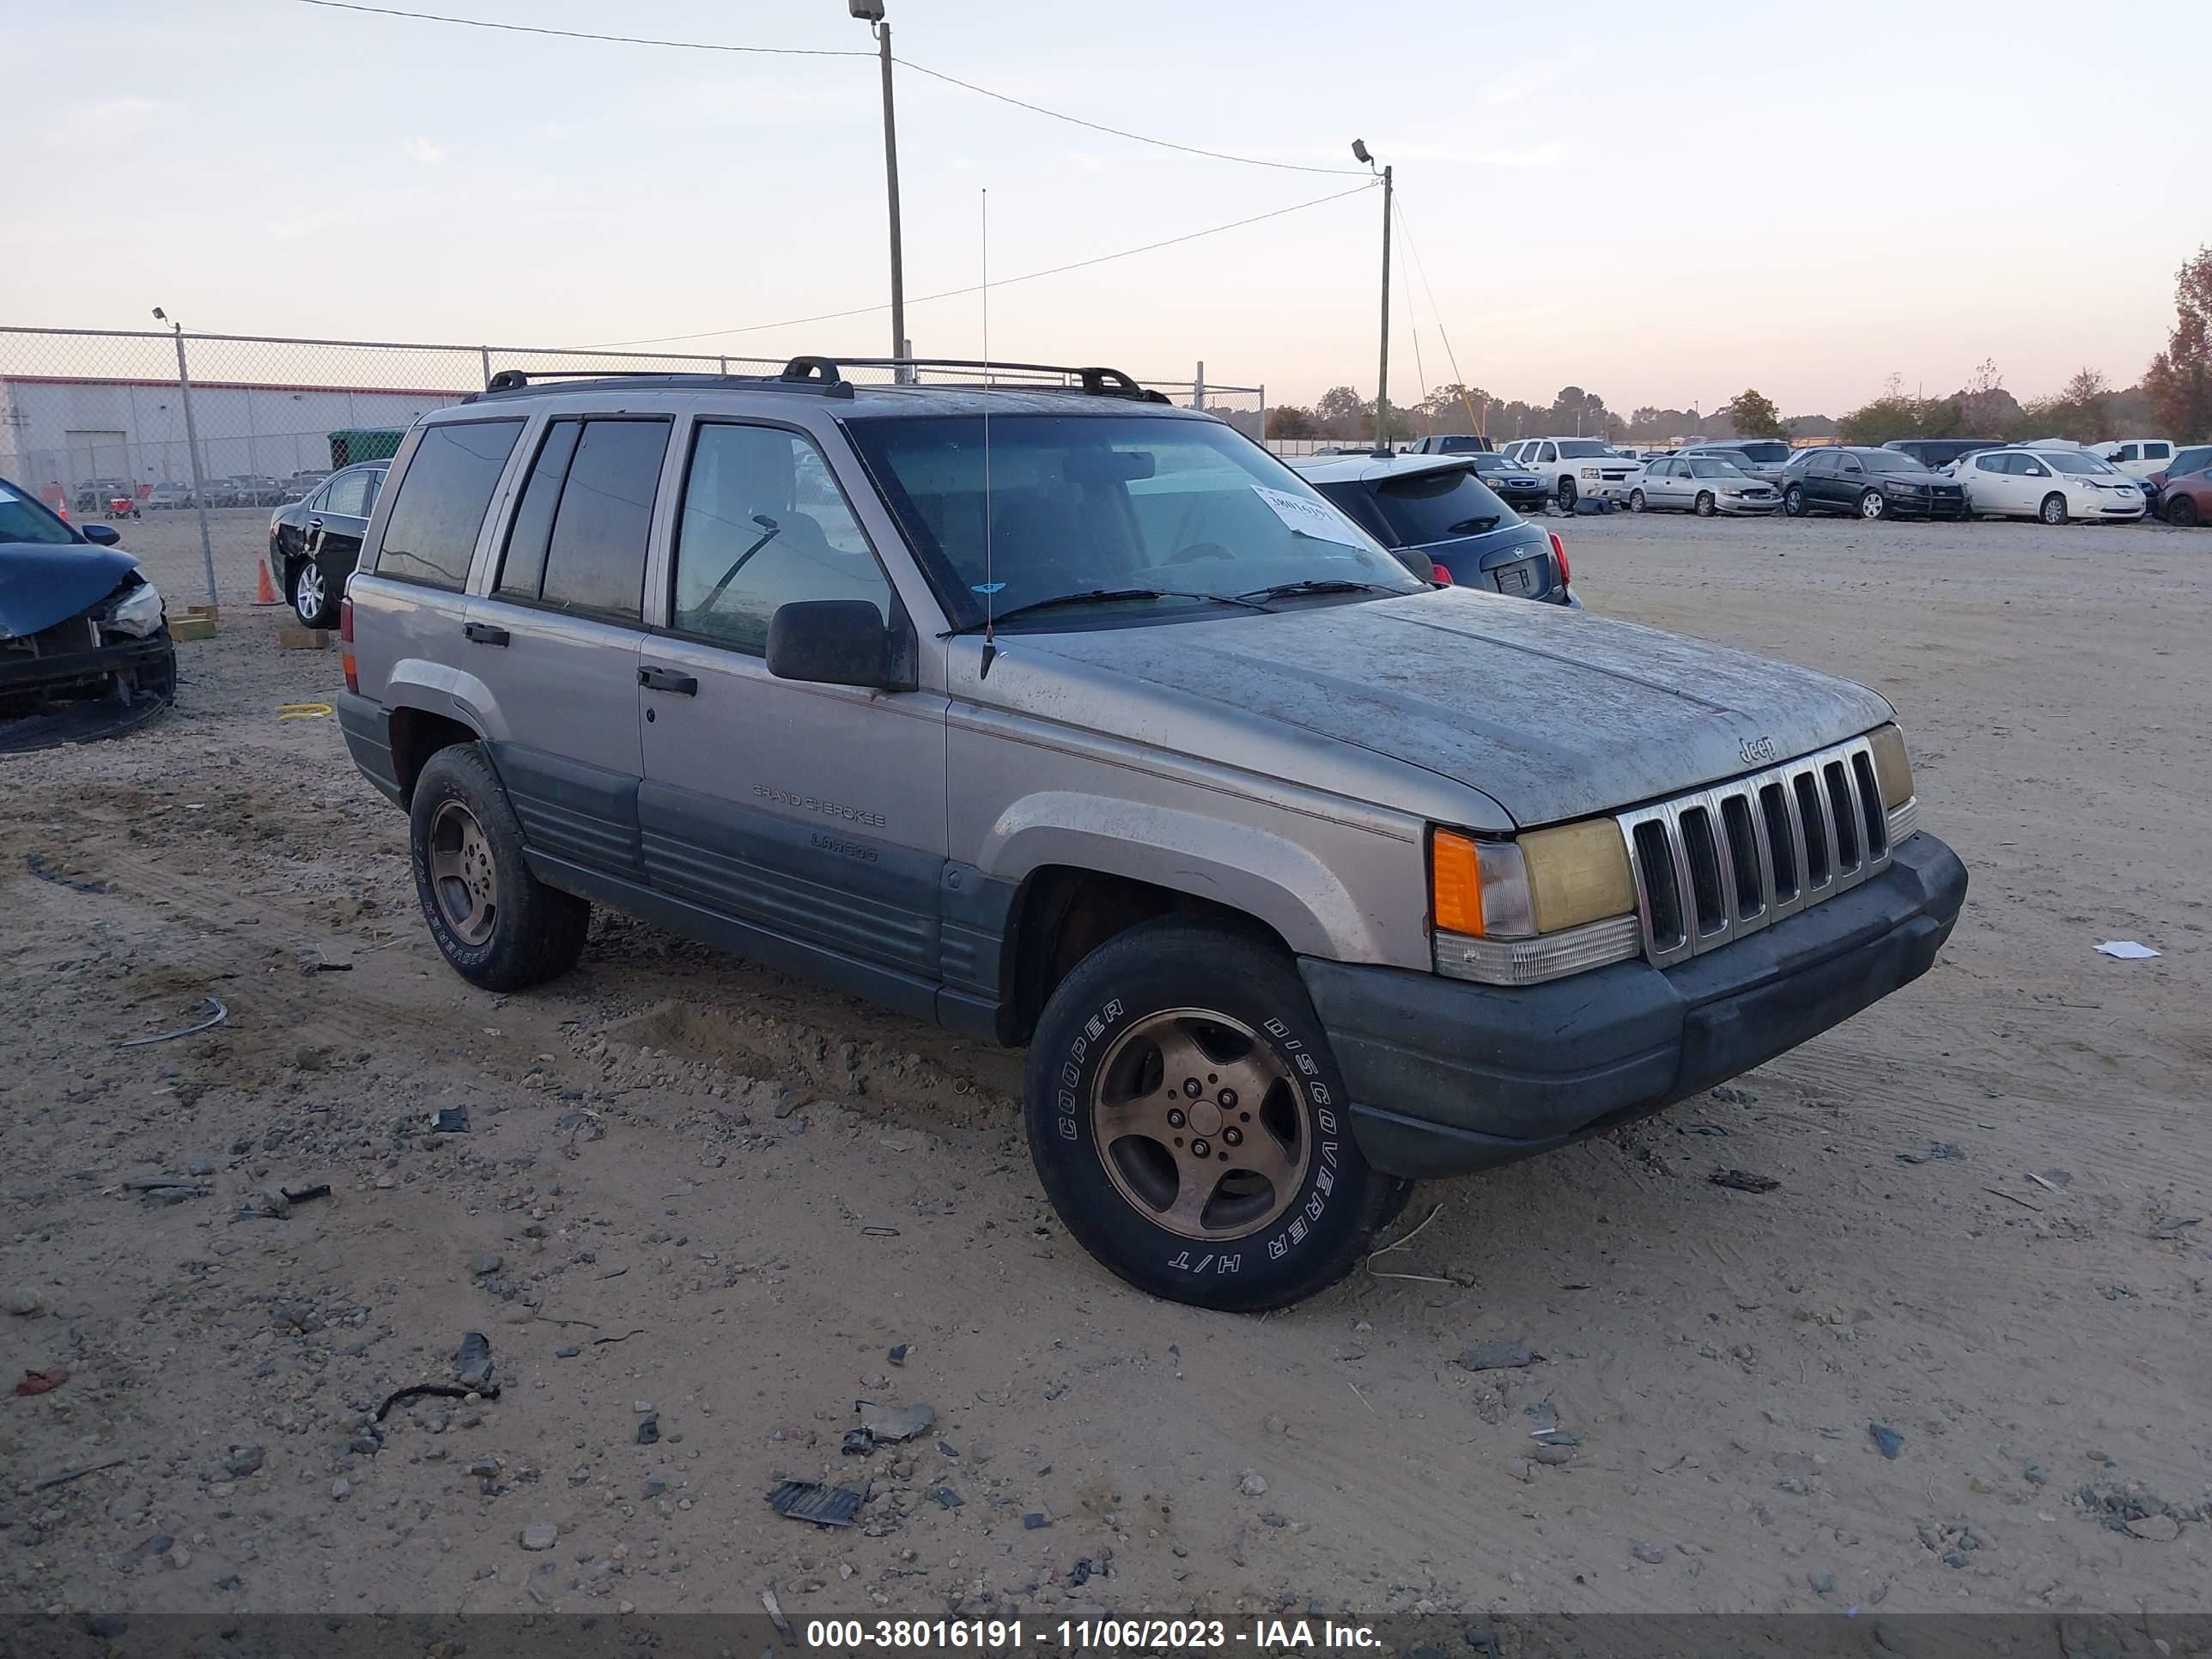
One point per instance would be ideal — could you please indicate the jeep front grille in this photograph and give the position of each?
(1715, 864)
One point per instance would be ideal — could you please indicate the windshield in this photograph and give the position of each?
(2076, 462)
(1583, 449)
(23, 520)
(1492, 464)
(1764, 455)
(1888, 460)
(1436, 506)
(1458, 444)
(1712, 469)
(1091, 501)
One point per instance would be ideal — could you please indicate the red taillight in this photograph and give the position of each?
(1442, 577)
(1559, 552)
(345, 640)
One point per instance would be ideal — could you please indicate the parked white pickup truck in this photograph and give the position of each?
(2137, 457)
(1576, 467)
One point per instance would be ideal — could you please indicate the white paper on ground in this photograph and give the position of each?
(1315, 518)
(2127, 950)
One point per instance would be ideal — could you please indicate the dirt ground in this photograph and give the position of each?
(695, 1194)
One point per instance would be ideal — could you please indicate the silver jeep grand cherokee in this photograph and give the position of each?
(1063, 717)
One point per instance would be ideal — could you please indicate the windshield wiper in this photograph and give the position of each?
(1103, 596)
(1312, 585)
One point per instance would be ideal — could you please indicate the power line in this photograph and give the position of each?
(819, 52)
(1437, 316)
(582, 35)
(1003, 281)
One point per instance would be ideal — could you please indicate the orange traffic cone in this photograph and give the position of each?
(264, 592)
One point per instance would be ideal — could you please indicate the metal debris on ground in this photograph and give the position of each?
(1743, 1180)
(894, 1423)
(810, 1500)
(67, 1476)
(897, 1355)
(319, 1190)
(858, 1442)
(879, 1232)
(2126, 949)
(472, 1360)
(1713, 1129)
(214, 1019)
(1937, 1151)
(450, 1120)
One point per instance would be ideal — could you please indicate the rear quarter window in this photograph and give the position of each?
(431, 533)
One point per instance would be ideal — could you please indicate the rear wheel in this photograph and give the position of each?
(2053, 510)
(1873, 505)
(1186, 1116)
(1706, 505)
(496, 924)
(1793, 502)
(315, 596)
(2181, 511)
(1567, 494)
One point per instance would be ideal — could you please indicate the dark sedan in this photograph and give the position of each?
(314, 544)
(1436, 507)
(1868, 484)
(1518, 487)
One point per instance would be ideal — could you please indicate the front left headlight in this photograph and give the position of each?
(138, 613)
(1593, 473)
(1553, 902)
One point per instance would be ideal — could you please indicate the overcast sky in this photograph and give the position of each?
(1663, 203)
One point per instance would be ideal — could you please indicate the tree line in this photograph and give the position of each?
(2174, 400)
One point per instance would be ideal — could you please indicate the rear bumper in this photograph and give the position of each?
(1446, 1077)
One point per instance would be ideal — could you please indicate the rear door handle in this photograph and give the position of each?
(484, 633)
(667, 679)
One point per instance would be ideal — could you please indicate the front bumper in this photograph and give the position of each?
(102, 692)
(1447, 1077)
(1740, 508)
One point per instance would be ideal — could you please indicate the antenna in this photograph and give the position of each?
(990, 586)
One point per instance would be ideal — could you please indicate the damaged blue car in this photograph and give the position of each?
(85, 649)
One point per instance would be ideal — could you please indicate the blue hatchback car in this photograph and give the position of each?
(1438, 508)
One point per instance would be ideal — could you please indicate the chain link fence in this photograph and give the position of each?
(194, 439)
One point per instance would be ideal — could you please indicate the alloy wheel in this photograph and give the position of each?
(1199, 1124)
(463, 876)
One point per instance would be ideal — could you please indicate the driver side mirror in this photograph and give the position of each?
(100, 535)
(837, 642)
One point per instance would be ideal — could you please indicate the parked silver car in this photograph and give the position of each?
(1069, 719)
(1762, 459)
(1703, 484)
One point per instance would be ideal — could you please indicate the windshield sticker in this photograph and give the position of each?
(8, 497)
(987, 587)
(1305, 517)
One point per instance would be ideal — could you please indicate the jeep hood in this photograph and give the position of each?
(1554, 714)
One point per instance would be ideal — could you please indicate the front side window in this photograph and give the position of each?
(1546, 453)
(23, 520)
(1072, 504)
(764, 524)
(431, 533)
(1766, 454)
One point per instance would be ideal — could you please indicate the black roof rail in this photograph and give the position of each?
(1093, 381)
(506, 380)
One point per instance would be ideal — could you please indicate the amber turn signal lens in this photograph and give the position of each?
(1455, 878)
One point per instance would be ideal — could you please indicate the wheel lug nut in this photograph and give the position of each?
(1193, 1088)
(1228, 1099)
(1176, 1120)
(1200, 1149)
(1234, 1136)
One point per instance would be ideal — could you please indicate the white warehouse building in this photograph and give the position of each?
(68, 431)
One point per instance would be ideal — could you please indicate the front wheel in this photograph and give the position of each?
(1793, 502)
(1567, 494)
(1706, 505)
(2181, 513)
(1187, 1121)
(2053, 510)
(1873, 505)
(1636, 500)
(314, 595)
(496, 924)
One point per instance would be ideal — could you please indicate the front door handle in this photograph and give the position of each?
(484, 633)
(667, 679)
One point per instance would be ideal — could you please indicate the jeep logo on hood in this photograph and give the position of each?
(1757, 751)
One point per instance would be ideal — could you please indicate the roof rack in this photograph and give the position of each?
(1092, 381)
(524, 379)
(826, 377)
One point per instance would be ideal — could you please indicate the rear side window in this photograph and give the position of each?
(432, 531)
(2157, 452)
(595, 560)
(1437, 506)
(349, 494)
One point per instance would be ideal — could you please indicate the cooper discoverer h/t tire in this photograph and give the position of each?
(1188, 1122)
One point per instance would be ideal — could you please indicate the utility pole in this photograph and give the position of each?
(871, 12)
(193, 453)
(1382, 369)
